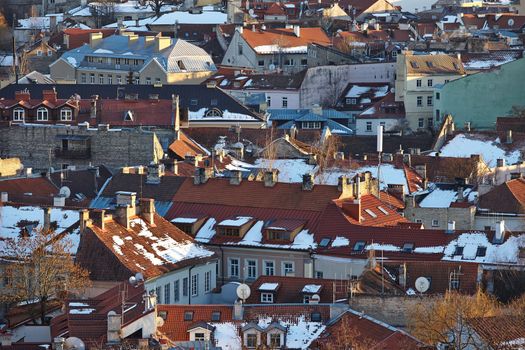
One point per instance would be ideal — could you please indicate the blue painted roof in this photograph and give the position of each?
(337, 128)
(161, 207)
(311, 117)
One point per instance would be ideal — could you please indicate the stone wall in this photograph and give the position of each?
(464, 217)
(36, 146)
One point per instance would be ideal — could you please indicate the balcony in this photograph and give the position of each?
(73, 154)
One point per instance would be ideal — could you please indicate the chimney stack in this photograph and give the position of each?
(500, 162)
(238, 312)
(297, 31)
(500, 232)
(202, 175)
(95, 39)
(176, 114)
(123, 214)
(147, 210)
(155, 173)
(308, 182)
(47, 219)
(97, 218)
(509, 137)
(236, 177)
(162, 42)
(50, 95)
(271, 177)
(352, 208)
(4, 197)
(451, 226)
(23, 95)
(126, 198)
(83, 219)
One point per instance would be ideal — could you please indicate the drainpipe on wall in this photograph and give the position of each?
(189, 284)
(222, 266)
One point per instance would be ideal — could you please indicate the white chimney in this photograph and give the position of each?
(451, 226)
(59, 201)
(4, 197)
(500, 231)
(126, 198)
(297, 31)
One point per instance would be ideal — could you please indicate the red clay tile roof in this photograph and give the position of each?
(79, 37)
(186, 146)
(385, 108)
(371, 213)
(505, 198)
(32, 190)
(144, 112)
(291, 289)
(275, 9)
(497, 330)
(286, 37)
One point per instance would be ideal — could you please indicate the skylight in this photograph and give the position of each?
(383, 210)
(324, 242)
(408, 247)
(371, 213)
(359, 246)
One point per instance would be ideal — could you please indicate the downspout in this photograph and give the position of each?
(189, 284)
(222, 265)
(313, 262)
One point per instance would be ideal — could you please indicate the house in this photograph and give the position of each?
(357, 97)
(283, 49)
(504, 203)
(475, 106)
(359, 9)
(315, 118)
(156, 60)
(135, 239)
(30, 27)
(386, 112)
(40, 55)
(416, 78)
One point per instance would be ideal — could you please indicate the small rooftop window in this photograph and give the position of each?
(414, 64)
(188, 315)
(371, 213)
(359, 246)
(430, 64)
(459, 251)
(383, 210)
(408, 247)
(315, 317)
(216, 316)
(481, 251)
(324, 242)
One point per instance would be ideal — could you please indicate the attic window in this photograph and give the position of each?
(359, 246)
(481, 251)
(188, 315)
(216, 316)
(214, 112)
(371, 213)
(228, 231)
(315, 317)
(456, 66)
(181, 65)
(324, 242)
(279, 235)
(408, 247)
(194, 102)
(383, 210)
(414, 64)
(430, 64)
(128, 116)
(459, 251)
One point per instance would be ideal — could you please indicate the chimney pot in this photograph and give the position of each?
(308, 182)
(147, 210)
(271, 177)
(236, 177)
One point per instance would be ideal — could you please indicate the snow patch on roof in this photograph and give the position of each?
(340, 242)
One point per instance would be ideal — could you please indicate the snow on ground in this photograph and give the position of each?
(290, 170)
(462, 146)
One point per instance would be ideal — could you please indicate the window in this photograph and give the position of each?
(214, 112)
(420, 101)
(414, 64)
(66, 114)
(315, 317)
(157, 81)
(185, 286)
(421, 122)
(188, 315)
(136, 62)
(435, 223)
(285, 102)
(119, 79)
(324, 242)
(194, 285)
(117, 61)
(167, 294)
(446, 81)
(176, 291)
(251, 269)
(268, 101)
(216, 316)
(260, 63)
(304, 62)
(199, 337)
(430, 122)
(49, 53)
(194, 102)
(318, 274)
(136, 81)
(101, 78)
(289, 62)
(251, 340)
(438, 95)
(42, 114)
(158, 291)
(18, 114)
(288, 268)
(311, 125)
(126, 61)
(110, 79)
(481, 251)
(239, 49)
(39, 53)
(92, 78)
(418, 221)
(351, 101)
(408, 247)
(267, 298)
(275, 340)
(306, 299)
(269, 268)
(181, 65)
(359, 246)
(430, 64)
(148, 81)
(429, 100)
(458, 251)
(234, 267)
(438, 115)
(369, 126)
(429, 82)
(83, 78)
(418, 83)
(207, 281)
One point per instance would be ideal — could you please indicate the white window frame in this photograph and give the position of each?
(418, 83)
(247, 269)
(39, 53)
(430, 82)
(83, 78)
(283, 268)
(368, 126)
(19, 114)
(284, 102)
(194, 285)
(42, 114)
(351, 101)
(435, 223)
(267, 298)
(311, 125)
(110, 79)
(230, 260)
(148, 81)
(430, 101)
(419, 101)
(207, 281)
(266, 267)
(92, 78)
(167, 293)
(66, 114)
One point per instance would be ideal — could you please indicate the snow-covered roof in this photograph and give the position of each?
(290, 170)
(182, 17)
(340, 242)
(312, 288)
(463, 146)
(273, 49)
(39, 22)
(269, 287)
(226, 115)
(237, 222)
(443, 198)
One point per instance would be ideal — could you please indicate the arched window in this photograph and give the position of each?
(214, 113)
(66, 114)
(42, 114)
(19, 114)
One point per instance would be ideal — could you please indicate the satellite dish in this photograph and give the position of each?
(422, 284)
(251, 13)
(132, 280)
(243, 291)
(271, 66)
(65, 192)
(511, 22)
(160, 321)
(73, 343)
(315, 299)
(139, 276)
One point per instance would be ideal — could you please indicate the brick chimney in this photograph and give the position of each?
(344, 186)
(397, 190)
(126, 198)
(97, 218)
(202, 175)
(162, 42)
(23, 95)
(271, 177)
(308, 182)
(123, 214)
(236, 177)
(147, 210)
(84, 219)
(155, 173)
(353, 209)
(50, 95)
(94, 107)
(176, 114)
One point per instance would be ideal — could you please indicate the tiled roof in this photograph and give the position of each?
(291, 289)
(31, 190)
(434, 64)
(78, 37)
(374, 212)
(143, 112)
(499, 330)
(508, 197)
(286, 37)
(385, 108)
(446, 169)
(185, 146)
(82, 182)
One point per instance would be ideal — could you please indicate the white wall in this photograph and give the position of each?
(512, 223)
(338, 268)
(360, 125)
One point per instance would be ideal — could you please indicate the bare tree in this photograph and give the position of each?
(345, 336)
(42, 270)
(325, 153)
(156, 6)
(103, 12)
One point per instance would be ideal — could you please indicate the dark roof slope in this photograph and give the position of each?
(505, 198)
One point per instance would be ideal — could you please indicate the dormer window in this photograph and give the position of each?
(359, 246)
(66, 114)
(42, 114)
(214, 113)
(128, 116)
(188, 315)
(324, 242)
(481, 251)
(235, 227)
(459, 251)
(283, 229)
(19, 114)
(408, 247)
(278, 235)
